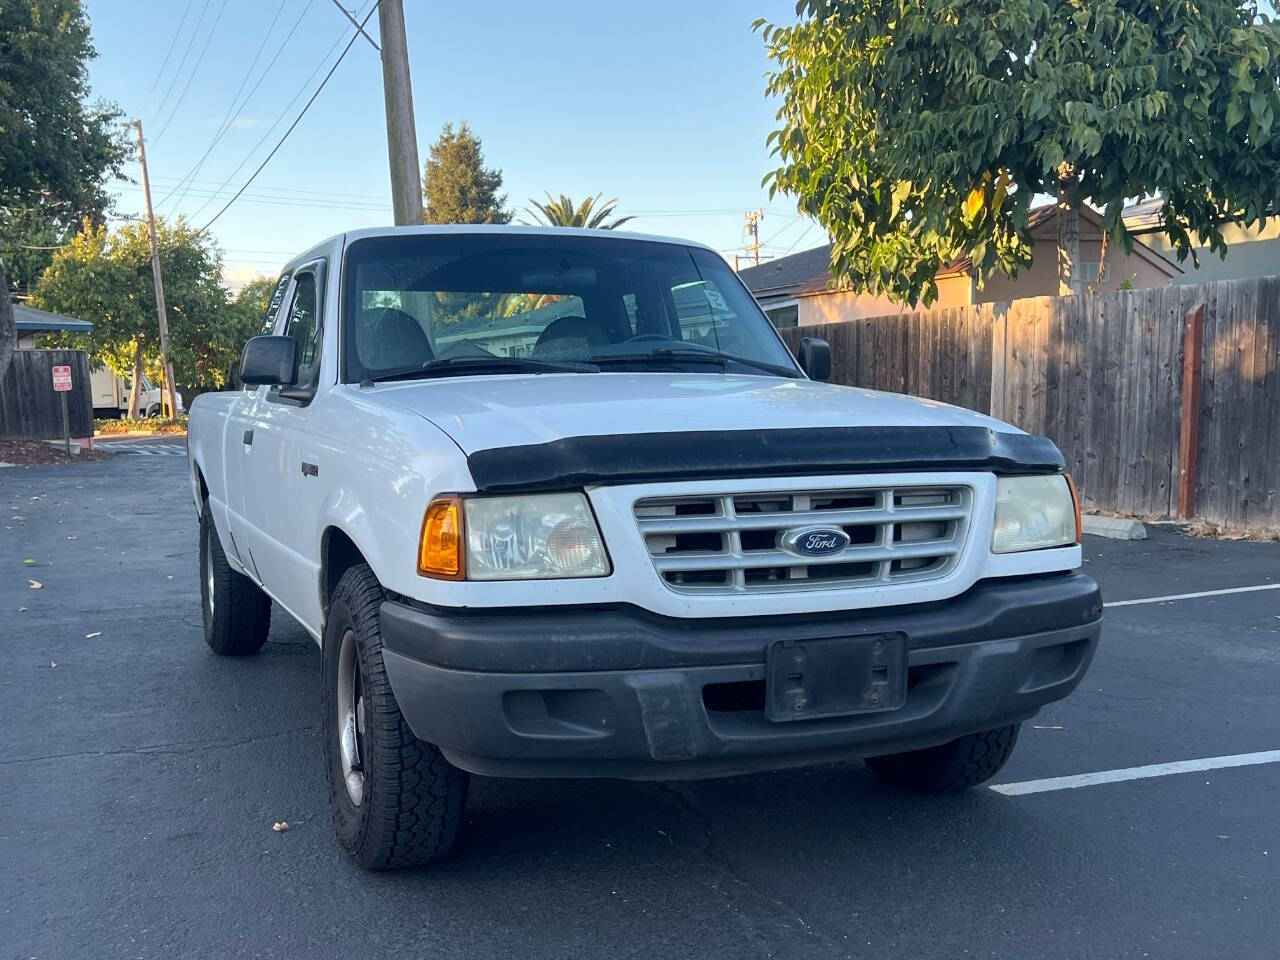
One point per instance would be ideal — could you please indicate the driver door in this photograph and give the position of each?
(283, 462)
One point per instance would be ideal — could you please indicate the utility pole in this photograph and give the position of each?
(752, 231)
(402, 137)
(166, 395)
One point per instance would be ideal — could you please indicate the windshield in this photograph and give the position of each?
(448, 304)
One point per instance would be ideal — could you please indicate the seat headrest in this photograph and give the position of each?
(387, 338)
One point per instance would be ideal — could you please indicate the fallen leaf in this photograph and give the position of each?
(29, 562)
(52, 664)
(35, 584)
(280, 827)
(22, 609)
(90, 636)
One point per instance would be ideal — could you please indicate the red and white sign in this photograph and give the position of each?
(61, 378)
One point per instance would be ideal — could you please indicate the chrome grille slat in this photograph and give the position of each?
(770, 521)
(899, 534)
(751, 559)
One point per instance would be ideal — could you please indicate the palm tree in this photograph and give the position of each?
(563, 212)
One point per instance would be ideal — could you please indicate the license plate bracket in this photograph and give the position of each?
(835, 676)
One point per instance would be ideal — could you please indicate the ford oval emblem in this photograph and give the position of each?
(815, 541)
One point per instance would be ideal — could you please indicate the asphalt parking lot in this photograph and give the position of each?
(140, 776)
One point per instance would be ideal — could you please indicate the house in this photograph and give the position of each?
(31, 321)
(795, 291)
(1251, 251)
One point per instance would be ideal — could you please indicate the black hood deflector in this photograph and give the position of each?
(718, 454)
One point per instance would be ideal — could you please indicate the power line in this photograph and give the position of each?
(169, 53)
(783, 230)
(347, 13)
(297, 120)
(194, 70)
(228, 120)
(283, 192)
(185, 53)
(800, 239)
(316, 203)
(283, 113)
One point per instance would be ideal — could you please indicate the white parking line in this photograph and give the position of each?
(1192, 596)
(1135, 773)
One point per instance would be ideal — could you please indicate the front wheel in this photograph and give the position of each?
(964, 762)
(396, 800)
(237, 614)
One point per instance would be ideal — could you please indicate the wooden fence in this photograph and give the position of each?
(29, 407)
(1102, 375)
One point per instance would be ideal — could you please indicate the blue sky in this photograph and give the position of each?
(658, 103)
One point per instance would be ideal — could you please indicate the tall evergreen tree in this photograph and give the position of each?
(457, 187)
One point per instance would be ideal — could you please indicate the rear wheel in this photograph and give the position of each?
(964, 762)
(237, 614)
(396, 800)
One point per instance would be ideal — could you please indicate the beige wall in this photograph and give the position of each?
(1251, 252)
(1038, 280)
(846, 305)
(1041, 278)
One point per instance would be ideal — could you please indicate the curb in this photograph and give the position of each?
(1113, 528)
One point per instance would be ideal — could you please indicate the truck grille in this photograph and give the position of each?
(733, 543)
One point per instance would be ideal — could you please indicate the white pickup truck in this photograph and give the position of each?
(560, 503)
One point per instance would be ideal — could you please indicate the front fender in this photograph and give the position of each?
(379, 492)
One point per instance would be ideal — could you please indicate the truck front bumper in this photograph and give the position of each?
(617, 692)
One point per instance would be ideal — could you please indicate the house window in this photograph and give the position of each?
(784, 317)
(1089, 271)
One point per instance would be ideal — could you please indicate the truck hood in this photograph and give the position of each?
(484, 413)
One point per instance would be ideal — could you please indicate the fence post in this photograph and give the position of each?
(1189, 434)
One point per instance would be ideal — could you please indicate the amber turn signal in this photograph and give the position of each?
(1075, 499)
(440, 546)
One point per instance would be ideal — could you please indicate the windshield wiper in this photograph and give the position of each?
(462, 366)
(669, 355)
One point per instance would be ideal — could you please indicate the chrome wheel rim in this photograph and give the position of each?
(351, 719)
(208, 573)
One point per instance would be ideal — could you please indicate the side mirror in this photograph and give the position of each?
(270, 360)
(815, 358)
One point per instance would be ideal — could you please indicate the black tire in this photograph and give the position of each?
(964, 762)
(237, 614)
(411, 798)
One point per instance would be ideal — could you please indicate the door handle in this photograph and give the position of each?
(248, 438)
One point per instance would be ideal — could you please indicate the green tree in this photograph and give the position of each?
(563, 211)
(243, 320)
(253, 298)
(105, 277)
(58, 151)
(918, 131)
(28, 238)
(457, 187)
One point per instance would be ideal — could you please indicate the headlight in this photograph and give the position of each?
(534, 537)
(1032, 513)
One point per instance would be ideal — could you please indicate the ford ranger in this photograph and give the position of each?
(561, 503)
